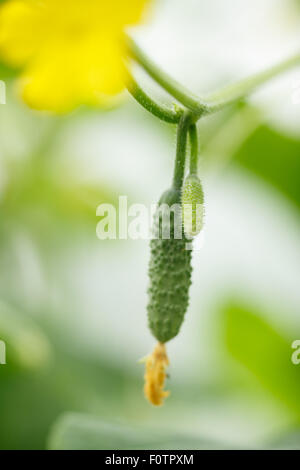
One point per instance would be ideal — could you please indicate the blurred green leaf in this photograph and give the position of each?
(265, 352)
(26, 345)
(82, 432)
(32, 399)
(275, 158)
(33, 188)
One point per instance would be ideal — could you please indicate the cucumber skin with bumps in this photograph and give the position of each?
(170, 278)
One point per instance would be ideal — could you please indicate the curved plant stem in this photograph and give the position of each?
(237, 91)
(217, 100)
(182, 131)
(162, 112)
(174, 88)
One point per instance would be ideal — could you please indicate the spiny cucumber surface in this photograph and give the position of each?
(169, 272)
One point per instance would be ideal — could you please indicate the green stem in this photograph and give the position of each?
(174, 88)
(182, 132)
(237, 91)
(158, 110)
(217, 100)
(194, 149)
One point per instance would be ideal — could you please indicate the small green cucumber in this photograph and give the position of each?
(192, 200)
(169, 272)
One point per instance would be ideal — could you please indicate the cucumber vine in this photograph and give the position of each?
(170, 262)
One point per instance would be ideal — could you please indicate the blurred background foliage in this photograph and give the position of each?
(72, 307)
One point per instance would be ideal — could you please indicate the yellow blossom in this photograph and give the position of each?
(155, 375)
(70, 52)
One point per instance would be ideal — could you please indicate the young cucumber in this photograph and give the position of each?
(192, 205)
(169, 270)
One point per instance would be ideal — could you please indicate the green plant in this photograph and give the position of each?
(170, 268)
(100, 75)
